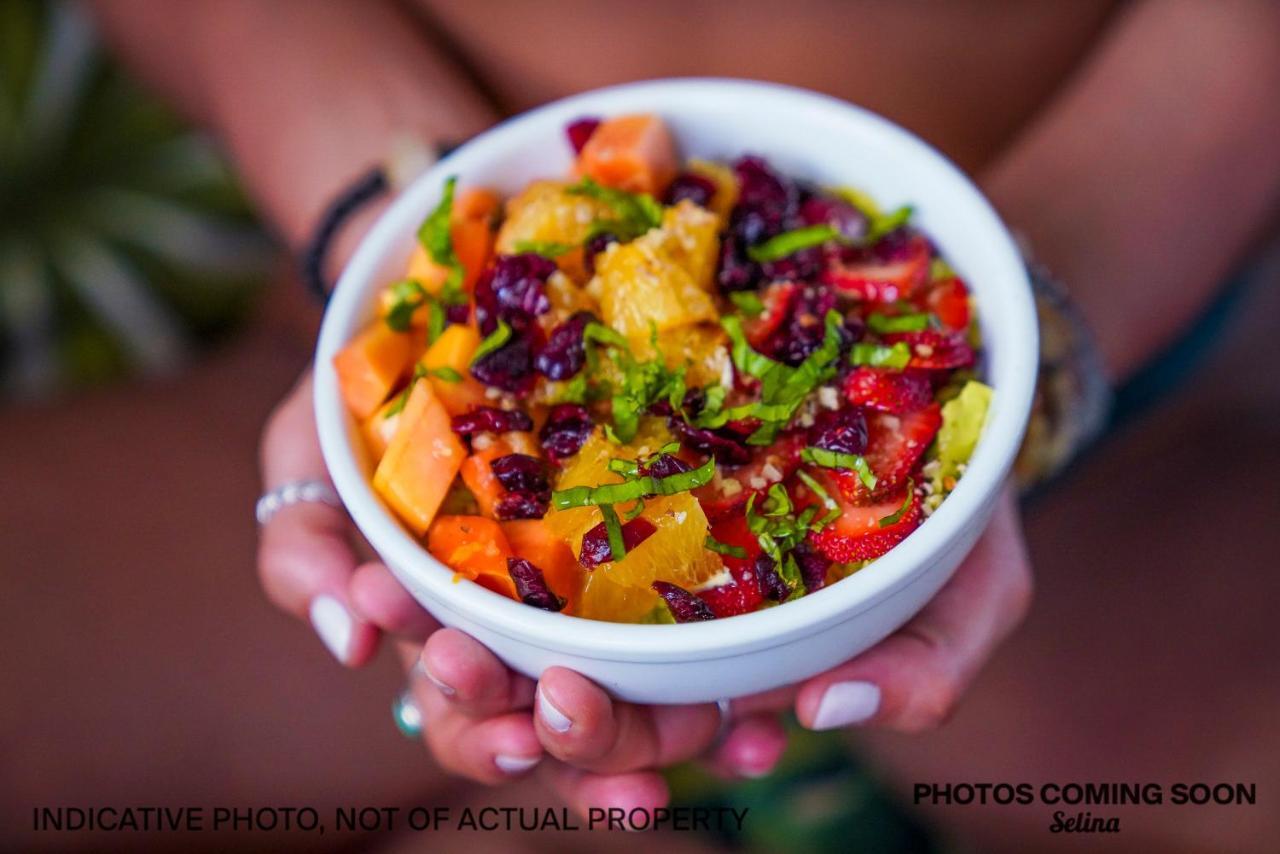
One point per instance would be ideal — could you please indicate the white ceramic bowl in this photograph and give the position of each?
(802, 134)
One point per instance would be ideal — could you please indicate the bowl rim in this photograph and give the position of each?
(516, 621)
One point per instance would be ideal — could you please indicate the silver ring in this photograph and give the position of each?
(294, 492)
(723, 706)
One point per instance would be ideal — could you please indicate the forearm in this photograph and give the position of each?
(1144, 183)
(304, 94)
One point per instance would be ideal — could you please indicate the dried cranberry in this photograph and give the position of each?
(837, 213)
(813, 566)
(725, 445)
(567, 428)
(512, 286)
(842, 430)
(595, 543)
(522, 505)
(665, 465)
(520, 473)
(460, 313)
(798, 266)
(803, 327)
(510, 367)
(531, 585)
(490, 419)
(565, 352)
(580, 130)
(689, 185)
(596, 244)
(763, 195)
(771, 583)
(735, 271)
(683, 605)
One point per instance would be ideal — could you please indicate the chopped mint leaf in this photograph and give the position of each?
(790, 242)
(633, 213)
(894, 517)
(397, 406)
(635, 510)
(407, 296)
(836, 460)
(832, 508)
(882, 224)
(718, 547)
(546, 248)
(435, 236)
(613, 527)
(748, 302)
(896, 357)
(638, 487)
(939, 270)
(446, 373)
(496, 340)
(882, 323)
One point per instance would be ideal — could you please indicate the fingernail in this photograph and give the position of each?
(333, 624)
(516, 764)
(552, 716)
(847, 703)
(443, 687)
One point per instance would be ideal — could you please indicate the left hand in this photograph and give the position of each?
(483, 721)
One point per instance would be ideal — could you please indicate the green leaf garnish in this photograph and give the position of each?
(882, 323)
(837, 460)
(881, 223)
(896, 357)
(407, 296)
(546, 248)
(397, 406)
(894, 517)
(633, 213)
(435, 237)
(718, 547)
(748, 302)
(495, 340)
(790, 242)
(638, 487)
(613, 528)
(446, 373)
(833, 509)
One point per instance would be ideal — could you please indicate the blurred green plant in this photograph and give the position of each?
(124, 240)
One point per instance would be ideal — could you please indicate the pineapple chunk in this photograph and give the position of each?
(692, 241)
(642, 287)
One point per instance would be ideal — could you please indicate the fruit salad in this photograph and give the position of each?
(665, 390)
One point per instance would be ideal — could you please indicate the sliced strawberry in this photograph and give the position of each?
(934, 350)
(777, 304)
(857, 534)
(894, 445)
(889, 271)
(743, 594)
(888, 390)
(948, 300)
(768, 465)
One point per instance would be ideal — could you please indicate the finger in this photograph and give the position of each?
(489, 750)
(471, 678)
(580, 724)
(750, 748)
(912, 680)
(378, 598)
(586, 792)
(305, 556)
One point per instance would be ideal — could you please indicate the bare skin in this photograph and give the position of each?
(1036, 176)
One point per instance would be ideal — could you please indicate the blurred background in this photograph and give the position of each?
(147, 327)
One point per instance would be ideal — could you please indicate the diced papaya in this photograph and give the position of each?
(471, 230)
(475, 548)
(634, 153)
(477, 471)
(454, 349)
(534, 541)
(370, 365)
(421, 460)
(379, 428)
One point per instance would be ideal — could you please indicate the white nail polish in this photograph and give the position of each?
(516, 764)
(847, 703)
(552, 716)
(333, 624)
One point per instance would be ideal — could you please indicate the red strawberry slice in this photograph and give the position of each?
(948, 300)
(742, 595)
(883, 274)
(934, 350)
(856, 534)
(887, 390)
(777, 307)
(768, 465)
(894, 445)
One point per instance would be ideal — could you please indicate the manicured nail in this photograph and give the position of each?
(333, 624)
(516, 764)
(552, 716)
(847, 703)
(421, 669)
